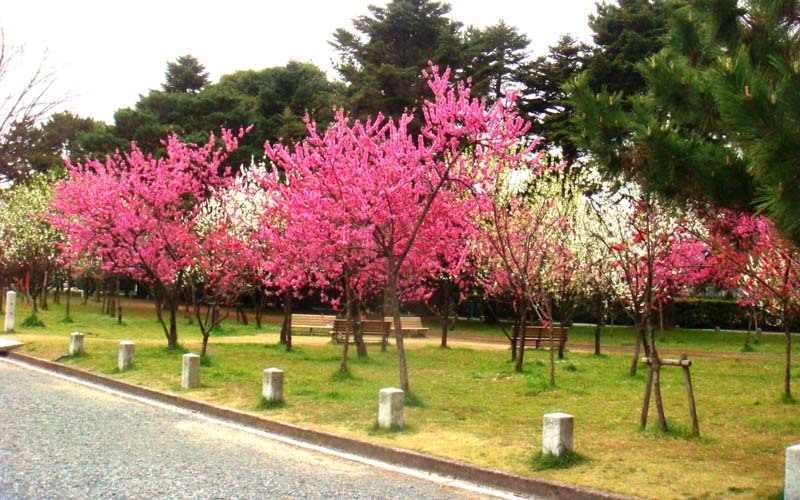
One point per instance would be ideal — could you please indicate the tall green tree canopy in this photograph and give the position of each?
(718, 120)
(273, 101)
(381, 59)
(494, 57)
(28, 148)
(625, 32)
(185, 74)
(546, 99)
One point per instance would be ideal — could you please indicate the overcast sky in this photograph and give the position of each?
(106, 53)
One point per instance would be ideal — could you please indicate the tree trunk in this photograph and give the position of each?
(44, 292)
(358, 330)
(787, 376)
(204, 348)
(172, 340)
(286, 326)
(552, 357)
(445, 312)
(514, 338)
(521, 352)
(69, 294)
(345, 347)
(655, 365)
(391, 295)
(635, 360)
(597, 330)
(259, 306)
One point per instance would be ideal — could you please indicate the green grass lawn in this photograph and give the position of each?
(470, 405)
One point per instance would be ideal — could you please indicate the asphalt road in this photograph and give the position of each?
(60, 439)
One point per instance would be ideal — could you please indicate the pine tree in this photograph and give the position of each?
(382, 59)
(546, 100)
(185, 74)
(718, 121)
(496, 56)
(625, 33)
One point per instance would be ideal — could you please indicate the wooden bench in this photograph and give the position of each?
(373, 330)
(411, 325)
(539, 336)
(312, 322)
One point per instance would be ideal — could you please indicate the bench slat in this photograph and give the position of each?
(372, 330)
(409, 324)
(539, 335)
(311, 322)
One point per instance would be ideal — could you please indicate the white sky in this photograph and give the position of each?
(105, 53)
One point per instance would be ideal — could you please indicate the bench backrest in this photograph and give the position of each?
(375, 327)
(540, 332)
(370, 327)
(312, 320)
(408, 323)
(341, 326)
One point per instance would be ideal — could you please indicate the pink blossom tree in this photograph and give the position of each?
(768, 268)
(135, 214)
(522, 234)
(392, 190)
(654, 258)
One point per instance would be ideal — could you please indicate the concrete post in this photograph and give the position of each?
(11, 303)
(126, 355)
(557, 433)
(791, 484)
(75, 343)
(390, 409)
(272, 389)
(190, 372)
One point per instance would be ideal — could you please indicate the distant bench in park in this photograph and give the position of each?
(410, 325)
(540, 336)
(373, 330)
(313, 322)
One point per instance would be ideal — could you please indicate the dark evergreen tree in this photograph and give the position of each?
(625, 33)
(185, 74)
(546, 100)
(494, 57)
(382, 58)
(28, 149)
(718, 122)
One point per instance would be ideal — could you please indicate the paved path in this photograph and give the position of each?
(59, 439)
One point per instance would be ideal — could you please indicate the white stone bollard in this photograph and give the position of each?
(75, 343)
(791, 482)
(716, 329)
(557, 433)
(126, 355)
(272, 389)
(190, 372)
(390, 409)
(11, 303)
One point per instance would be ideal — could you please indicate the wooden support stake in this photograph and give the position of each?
(646, 404)
(685, 364)
(690, 394)
(670, 362)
